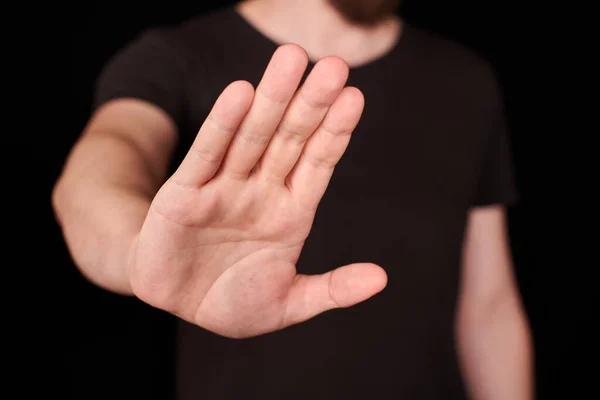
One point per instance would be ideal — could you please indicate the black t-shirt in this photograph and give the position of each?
(431, 145)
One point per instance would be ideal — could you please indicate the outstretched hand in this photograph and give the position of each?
(221, 240)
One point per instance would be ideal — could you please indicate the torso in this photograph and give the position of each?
(399, 198)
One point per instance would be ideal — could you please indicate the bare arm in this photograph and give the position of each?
(216, 242)
(493, 335)
(103, 194)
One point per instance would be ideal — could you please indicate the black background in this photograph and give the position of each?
(116, 347)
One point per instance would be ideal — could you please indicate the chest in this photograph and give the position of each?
(405, 182)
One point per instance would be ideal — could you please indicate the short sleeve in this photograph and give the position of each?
(148, 69)
(497, 184)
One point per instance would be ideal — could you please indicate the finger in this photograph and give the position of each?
(210, 145)
(312, 173)
(273, 94)
(343, 287)
(303, 116)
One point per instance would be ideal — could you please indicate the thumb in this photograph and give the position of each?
(345, 286)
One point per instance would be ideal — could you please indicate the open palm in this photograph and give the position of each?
(221, 240)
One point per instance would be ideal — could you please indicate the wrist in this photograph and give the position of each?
(130, 262)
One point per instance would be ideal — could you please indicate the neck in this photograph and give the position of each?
(320, 29)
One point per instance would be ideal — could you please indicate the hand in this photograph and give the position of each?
(220, 242)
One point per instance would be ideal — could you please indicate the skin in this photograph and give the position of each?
(216, 243)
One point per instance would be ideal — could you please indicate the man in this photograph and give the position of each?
(204, 184)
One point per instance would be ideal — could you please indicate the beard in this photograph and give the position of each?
(366, 12)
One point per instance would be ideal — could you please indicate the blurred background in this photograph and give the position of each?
(124, 349)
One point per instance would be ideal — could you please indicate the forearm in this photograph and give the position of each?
(496, 351)
(101, 201)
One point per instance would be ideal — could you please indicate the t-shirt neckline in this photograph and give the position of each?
(394, 50)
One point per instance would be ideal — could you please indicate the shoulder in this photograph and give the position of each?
(447, 60)
(209, 29)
